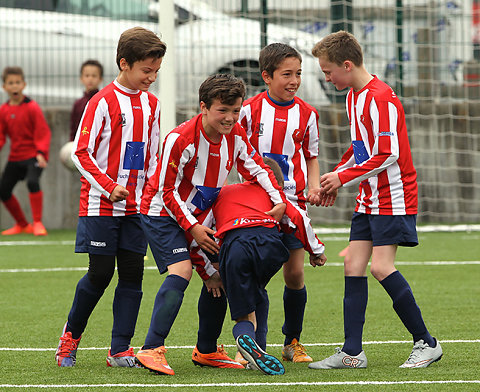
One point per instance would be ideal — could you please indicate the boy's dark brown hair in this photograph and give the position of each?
(138, 44)
(339, 47)
(12, 71)
(272, 55)
(95, 63)
(224, 87)
(275, 167)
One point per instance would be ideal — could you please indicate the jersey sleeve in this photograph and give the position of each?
(84, 145)
(3, 136)
(250, 166)
(41, 132)
(310, 141)
(177, 152)
(299, 220)
(385, 151)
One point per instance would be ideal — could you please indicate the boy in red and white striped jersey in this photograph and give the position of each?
(196, 159)
(116, 151)
(380, 161)
(283, 127)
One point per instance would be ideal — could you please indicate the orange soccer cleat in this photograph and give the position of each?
(17, 229)
(154, 360)
(218, 359)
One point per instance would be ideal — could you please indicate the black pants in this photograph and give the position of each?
(17, 171)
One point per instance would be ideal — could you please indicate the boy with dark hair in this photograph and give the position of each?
(379, 159)
(251, 253)
(283, 127)
(91, 75)
(22, 120)
(116, 151)
(196, 159)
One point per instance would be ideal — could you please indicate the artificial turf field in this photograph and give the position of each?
(38, 278)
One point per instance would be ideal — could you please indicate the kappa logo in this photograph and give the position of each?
(85, 131)
(179, 250)
(98, 244)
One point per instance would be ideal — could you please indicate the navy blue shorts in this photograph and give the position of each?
(290, 241)
(166, 239)
(249, 258)
(384, 229)
(105, 235)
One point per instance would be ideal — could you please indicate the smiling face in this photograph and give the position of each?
(338, 75)
(220, 118)
(14, 85)
(140, 75)
(286, 79)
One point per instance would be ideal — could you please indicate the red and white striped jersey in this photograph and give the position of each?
(192, 170)
(288, 134)
(116, 144)
(379, 157)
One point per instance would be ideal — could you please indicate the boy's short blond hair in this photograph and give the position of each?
(12, 71)
(339, 47)
(224, 87)
(138, 44)
(272, 55)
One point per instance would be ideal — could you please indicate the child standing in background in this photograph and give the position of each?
(91, 76)
(22, 120)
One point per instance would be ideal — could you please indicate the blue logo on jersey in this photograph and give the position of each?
(205, 197)
(359, 151)
(282, 161)
(134, 156)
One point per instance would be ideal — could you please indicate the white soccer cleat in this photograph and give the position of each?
(423, 355)
(341, 360)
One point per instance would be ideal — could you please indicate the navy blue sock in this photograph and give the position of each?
(165, 309)
(294, 302)
(211, 314)
(126, 305)
(261, 313)
(86, 298)
(354, 308)
(244, 328)
(407, 309)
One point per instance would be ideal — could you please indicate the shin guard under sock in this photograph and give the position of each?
(354, 308)
(36, 204)
(294, 302)
(406, 308)
(211, 314)
(165, 309)
(13, 207)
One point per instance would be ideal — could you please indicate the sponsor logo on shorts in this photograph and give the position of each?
(98, 244)
(179, 250)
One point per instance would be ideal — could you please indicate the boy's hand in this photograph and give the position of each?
(330, 182)
(41, 161)
(215, 285)
(277, 211)
(327, 199)
(313, 196)
(318, 260)
(201, 234)
(118, 194)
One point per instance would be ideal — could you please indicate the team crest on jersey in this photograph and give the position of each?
(297, 135)
(123, 119)
(259, 129)
(229, 165)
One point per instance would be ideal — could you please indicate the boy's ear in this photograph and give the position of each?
(348, 65)
(203, 107)
(123, 64)
(266, 77)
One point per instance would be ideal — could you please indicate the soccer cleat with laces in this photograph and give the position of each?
(39, 228)
(218, 359)
(295, 352)
(154, 360)
(341, 360)
(122, 359)
(17, 229)
(66, 354)
(423, 355)
(257, 358)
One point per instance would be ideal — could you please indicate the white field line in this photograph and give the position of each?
(374, 342)
(73, 269)
(243, 385)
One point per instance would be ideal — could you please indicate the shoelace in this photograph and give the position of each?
(221, 350)
(68, 345)
(417, 349)
(159, 355)
(299, 349)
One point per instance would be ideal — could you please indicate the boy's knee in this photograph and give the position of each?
(100, 270)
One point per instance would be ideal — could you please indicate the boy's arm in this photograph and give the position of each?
(84, 145)
(41, 131)
(3, 137)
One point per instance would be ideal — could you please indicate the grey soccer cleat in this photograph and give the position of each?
(341, 360)
(123, 359)
(423, 355)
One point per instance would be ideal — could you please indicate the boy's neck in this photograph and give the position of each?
(16, 100)
(361, 78)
